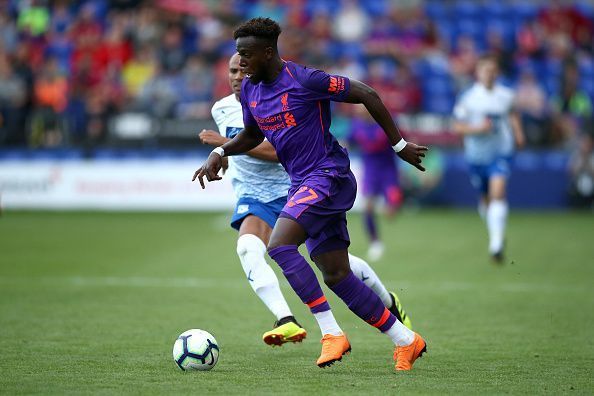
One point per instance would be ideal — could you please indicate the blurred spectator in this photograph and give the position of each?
(172, 55)
(496, 46)
(581, 169)
(558, 17)
(147, 29)
(531, 103)
(530, 40)
(13, 97)
(268, 9)
(349, 67)
(572, 107)
(115, 50)
(62, 19)
(159, 95)
(351, 24)
(51, 89)
(139, 70)
(463, 61)
(8, 34)
(195, 89)
(34, 18)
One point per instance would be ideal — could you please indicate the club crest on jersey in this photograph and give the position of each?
(285, 102)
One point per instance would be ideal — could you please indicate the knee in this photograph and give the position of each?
(334, 277)
(247, 243)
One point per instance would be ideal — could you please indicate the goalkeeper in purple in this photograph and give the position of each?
(289, 104)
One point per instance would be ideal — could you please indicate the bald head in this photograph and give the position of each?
(235, 75)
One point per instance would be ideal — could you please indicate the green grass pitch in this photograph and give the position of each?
(92, 303)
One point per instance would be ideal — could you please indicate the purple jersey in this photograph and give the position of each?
(293, 112)
(372, 142)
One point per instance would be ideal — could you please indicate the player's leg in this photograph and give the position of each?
(372, 189)
(254, 234)
(376, 247)
(332, 259)
(364, 271)
(391, 188)
(497, 216)
(287, 235)
(479, 178)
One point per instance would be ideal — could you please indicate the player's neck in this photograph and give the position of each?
(272, 73)
(488, 87)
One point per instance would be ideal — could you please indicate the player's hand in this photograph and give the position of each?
(413, 154)
(210, 169)
(211, 138)
(485, 127)
(520, 141)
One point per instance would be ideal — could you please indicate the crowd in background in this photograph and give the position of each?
(67, 67)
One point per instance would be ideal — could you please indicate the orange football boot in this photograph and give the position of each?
(405, 356)
(333, 348)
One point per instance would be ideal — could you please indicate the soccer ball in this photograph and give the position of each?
(196, 349)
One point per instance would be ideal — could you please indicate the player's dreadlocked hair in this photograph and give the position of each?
(263, 28)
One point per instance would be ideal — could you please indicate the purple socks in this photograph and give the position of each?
(371, 226)
(364, 302)
(357, 296)
(301, 277)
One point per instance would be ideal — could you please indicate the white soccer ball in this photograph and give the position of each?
(196, 349)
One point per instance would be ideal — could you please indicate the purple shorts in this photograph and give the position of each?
(381, 179)
(319, 204)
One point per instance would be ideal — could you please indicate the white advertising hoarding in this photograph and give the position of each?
(110, 185)
(122, 185)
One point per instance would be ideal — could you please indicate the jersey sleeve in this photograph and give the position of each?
(461, 112)
(248, 118)
(321, 84)
(217, 116)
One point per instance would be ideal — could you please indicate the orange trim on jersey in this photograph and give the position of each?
(288, 71)
(321, 121)
(317, 302)
(383, 319)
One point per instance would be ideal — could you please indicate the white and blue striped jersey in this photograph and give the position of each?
(478, 103)
(250, 177)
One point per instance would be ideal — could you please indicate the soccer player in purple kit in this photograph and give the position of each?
(289, 104)
(380, 174)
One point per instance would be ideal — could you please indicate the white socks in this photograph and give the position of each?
(251, 251)
(327, 323)
(363, 271)
(400, 334)
(496, 220)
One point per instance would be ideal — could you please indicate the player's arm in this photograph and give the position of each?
(464, 128)
(364, 94)
(264, 151)
(249, 138)
(516, 125)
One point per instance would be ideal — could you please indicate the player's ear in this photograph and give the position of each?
(269, 53)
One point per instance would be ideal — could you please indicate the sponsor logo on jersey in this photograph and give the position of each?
(231, 132)
(242, 209)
